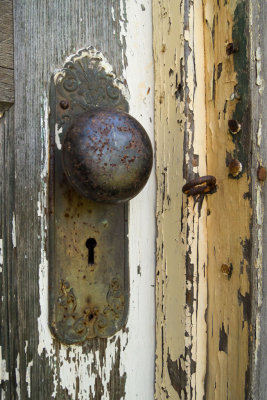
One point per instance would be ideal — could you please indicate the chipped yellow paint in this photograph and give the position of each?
(180, 126)
(203, 308)
(228, 224)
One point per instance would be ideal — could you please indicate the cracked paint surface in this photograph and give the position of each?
(88, 371)
(180, 127)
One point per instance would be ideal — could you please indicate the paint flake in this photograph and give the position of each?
(14, 241)
(4, 374)
(17, 373)
(28, 378)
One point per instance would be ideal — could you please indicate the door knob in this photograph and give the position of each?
(99, 157)
(107, 155)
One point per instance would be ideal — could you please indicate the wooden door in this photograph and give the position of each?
(34, 365)
(196, 326)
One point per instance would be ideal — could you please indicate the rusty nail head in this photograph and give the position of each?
(235, 167)
(64, 104)
(261, 174)
(231, 49)
(227, 270)
(234, 126)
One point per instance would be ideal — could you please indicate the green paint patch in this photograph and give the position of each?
(242, 140)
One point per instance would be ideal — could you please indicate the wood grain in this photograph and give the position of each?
(230, 212)
(6, 54)
(180, 128)
(258, 79)
(36, 365)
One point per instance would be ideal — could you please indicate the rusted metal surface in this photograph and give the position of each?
(88, 262)
(235, 168)
(107, 155)
(261, 174)
(201, 185)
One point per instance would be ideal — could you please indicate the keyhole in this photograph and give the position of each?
(91, 244)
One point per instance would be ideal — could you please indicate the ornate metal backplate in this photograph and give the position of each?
(88, 262)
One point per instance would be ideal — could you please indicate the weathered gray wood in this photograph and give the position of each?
(6, 54)
(45, 32)
(8, 308)
(258, 14)
(6, 85)
(6, 34)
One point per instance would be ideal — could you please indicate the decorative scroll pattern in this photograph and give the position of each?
(85, 81)
(74, 328)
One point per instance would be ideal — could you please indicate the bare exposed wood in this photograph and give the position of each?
(8, 309)
(229, 214)
(6, 54)
(6, 86)
(33, 364)
(181, 242)
(229, 247)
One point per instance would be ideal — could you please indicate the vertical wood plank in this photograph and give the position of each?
(34, 365)
(258, 78)
(7, 251)
(180, 128)
(6, 55)
(229, 245)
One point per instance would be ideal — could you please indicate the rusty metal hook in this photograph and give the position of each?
(201, 185)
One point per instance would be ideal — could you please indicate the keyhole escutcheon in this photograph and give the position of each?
(91, 244)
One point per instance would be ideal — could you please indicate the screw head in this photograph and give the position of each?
(261, 174)
(64, 104)
(235, 167)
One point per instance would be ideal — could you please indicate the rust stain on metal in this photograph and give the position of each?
(261, 174)
(201, 185)
(88, 263)
(107, 155)
(235, 168)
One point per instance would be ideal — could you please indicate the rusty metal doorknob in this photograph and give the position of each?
(107, 155)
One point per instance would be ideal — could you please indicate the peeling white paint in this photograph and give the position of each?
(259, 133)
(259, 80)
(137, 360)
(45, 338)
(259, 264)
(4, 374)
(136, 344)
(28, 378)
(112, 13)
(14, 240)
(17, 373)
(58, 132)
